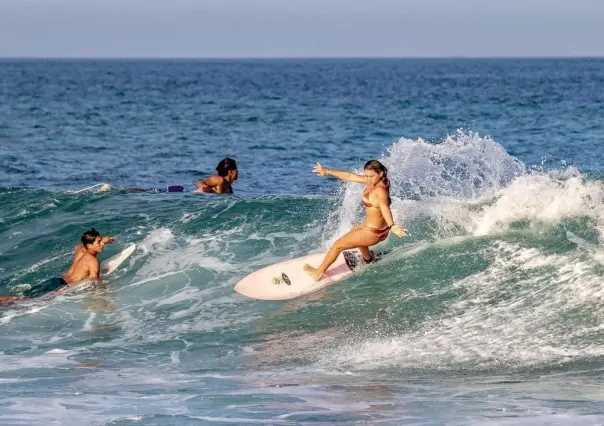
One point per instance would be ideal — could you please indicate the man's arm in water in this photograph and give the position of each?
(211, 184)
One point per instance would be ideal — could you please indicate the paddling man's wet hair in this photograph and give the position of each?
(225, 166)
(90, 236)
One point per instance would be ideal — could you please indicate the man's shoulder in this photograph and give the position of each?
(87, 257)
(216, 179)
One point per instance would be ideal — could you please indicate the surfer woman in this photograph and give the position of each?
(221, 183)
(379, 221)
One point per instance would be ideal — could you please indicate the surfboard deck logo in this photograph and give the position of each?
(284, 278)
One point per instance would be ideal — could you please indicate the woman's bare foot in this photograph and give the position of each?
(312, 272)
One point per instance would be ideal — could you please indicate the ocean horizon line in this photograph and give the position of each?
(284, 58)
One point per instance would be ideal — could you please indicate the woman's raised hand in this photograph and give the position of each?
(320, 170)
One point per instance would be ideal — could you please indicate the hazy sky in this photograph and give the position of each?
(300, 28)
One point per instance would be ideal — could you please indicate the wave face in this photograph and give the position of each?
(497, 285)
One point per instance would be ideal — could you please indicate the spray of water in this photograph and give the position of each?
(469, 185)
(529, 305)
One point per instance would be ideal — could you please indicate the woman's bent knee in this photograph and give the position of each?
(339, 248)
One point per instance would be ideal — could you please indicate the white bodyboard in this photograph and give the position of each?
(111, 264)
(99, 187)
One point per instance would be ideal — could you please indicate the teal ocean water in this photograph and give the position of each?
(488, 313)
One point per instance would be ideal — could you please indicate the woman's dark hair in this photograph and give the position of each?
(225, 166)
(378, 167)
(89, 237)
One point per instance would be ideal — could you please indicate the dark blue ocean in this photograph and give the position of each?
(491, 311)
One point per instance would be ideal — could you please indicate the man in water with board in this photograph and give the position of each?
(85, 265)
(221, 183)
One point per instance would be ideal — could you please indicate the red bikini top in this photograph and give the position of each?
(365, 200)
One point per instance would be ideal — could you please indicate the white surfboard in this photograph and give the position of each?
(99, 187)
(111, 264)
(287, 280)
